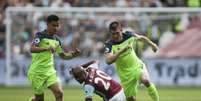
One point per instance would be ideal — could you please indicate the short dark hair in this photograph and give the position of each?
(113, 25)
(51, 18)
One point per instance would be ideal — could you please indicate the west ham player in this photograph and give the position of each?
(96, 81)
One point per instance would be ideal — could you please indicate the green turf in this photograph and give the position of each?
(76, 94)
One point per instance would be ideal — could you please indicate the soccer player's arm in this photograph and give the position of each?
(88, 90)
(35, 45)
(35, 49)
(88, 63)
(69, 55)
(148, 41)
(66, 55)
(112, 57)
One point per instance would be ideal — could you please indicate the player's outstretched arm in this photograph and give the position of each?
(111, 58)
(148, 41)
(88, 63)
(70, 54)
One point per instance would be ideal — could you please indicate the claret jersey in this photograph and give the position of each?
(100, 83)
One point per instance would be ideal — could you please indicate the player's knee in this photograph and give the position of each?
(38, 99)
(146, 82)
(131, 98)
(58, 94)
(33, 99)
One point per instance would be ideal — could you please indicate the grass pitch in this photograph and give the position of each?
(76, 94)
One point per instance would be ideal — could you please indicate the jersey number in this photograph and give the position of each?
(101, 78)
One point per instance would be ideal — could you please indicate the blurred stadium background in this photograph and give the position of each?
(173, 24)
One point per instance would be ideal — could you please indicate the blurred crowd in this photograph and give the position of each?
(89, 33)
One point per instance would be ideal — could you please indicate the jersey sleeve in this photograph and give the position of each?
(59, 48)
(108, 47)
(88, 90)
(129, 34)
(37, 39)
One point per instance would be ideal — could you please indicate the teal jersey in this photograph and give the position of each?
(43, 62)
(128, 64)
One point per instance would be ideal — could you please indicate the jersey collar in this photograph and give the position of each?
(119, 42)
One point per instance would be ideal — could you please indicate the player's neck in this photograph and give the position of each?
(49, 32)
(118, 39)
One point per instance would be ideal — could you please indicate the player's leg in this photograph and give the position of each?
(55, 87)
(37, 83)
(32, 99)
(57, 91)
(144, 78)
(131, 98)
(130, 89)
(37, 98)
(120, 96)
(130, 85)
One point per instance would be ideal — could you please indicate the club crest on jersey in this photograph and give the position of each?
(36, 41)
(107, 50)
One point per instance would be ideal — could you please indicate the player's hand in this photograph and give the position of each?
(76, 52)
(51, 49)
(155, 48)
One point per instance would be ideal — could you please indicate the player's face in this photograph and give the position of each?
(80, 78)
(53, 26)
(79, 75)
(116, 34)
